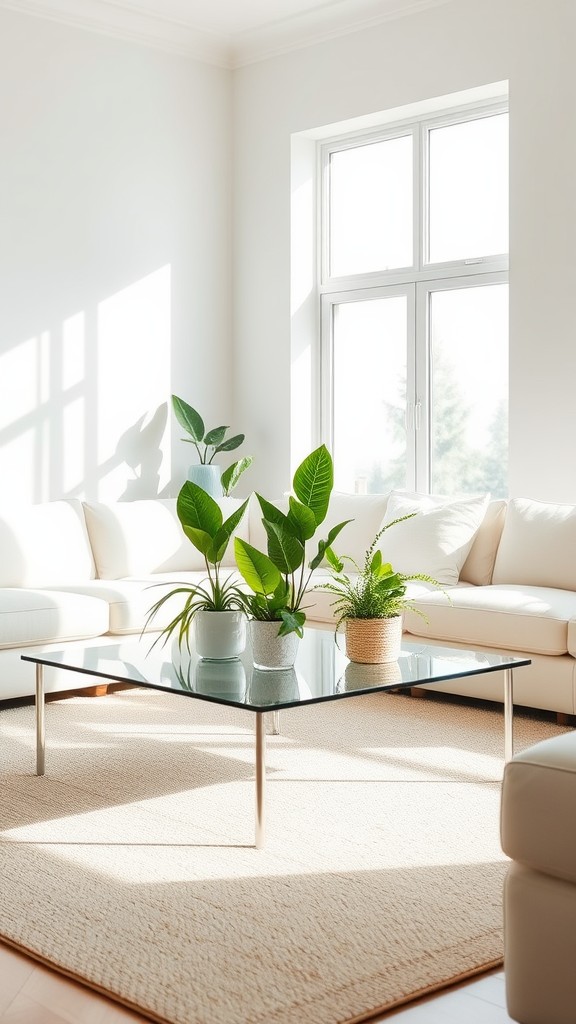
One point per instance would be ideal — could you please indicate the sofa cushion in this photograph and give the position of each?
(131, 538)
(514, 618)
(538, 791)
(437, 540)
(479, 564)
(44, 545)
(129, 600)
(44, 616)
(538, 545)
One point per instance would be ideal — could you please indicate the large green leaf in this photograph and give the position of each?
(188, 418)
(231, 476)
(201, 540)
(222, 536)
(197, 509)
(285, 550)
(215, 436)
(270, 512)
(256, 568)
(301, 519)
(313, 482)
(292, 622)
(231, 443)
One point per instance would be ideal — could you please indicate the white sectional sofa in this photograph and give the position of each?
(87, 573)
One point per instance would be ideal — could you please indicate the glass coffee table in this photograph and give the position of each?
(321, 673)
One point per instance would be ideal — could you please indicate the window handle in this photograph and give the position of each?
(417, 415)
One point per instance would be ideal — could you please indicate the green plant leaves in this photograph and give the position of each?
(231, 476)
(214, 437)
(301, 519)
(324, 545)
(231, 443)
(285, 550)
(256, 568)
(313, 482)
(292, 622)
(188, 418)
(201, 519)
(196, 509)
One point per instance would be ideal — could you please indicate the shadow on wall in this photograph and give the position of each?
(83, 404)
(140, 449)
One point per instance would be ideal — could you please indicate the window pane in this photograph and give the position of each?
(371, 207)
(469, 189)
(469, 385)
(370, 345)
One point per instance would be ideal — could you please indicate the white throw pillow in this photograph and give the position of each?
(437, 540)
(134, 538)
(538, 545)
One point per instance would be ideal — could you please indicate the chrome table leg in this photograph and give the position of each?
(40, 734)
(275, 723)
(508, 715)
(260, 779)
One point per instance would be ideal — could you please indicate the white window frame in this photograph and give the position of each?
(418, 280)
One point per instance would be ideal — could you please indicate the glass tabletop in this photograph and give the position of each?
(322, 671)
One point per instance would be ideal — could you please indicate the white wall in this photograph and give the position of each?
(114, 260)
(442, 50)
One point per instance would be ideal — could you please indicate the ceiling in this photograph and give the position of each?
(229, 33)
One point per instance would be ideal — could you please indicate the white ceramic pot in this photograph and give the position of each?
(270, 651)
(208, 478)
(219, 635)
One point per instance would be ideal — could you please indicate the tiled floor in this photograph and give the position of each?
(32, 994)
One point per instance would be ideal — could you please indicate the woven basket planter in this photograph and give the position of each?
(374, 641)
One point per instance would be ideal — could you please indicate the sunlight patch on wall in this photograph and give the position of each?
(133, 381)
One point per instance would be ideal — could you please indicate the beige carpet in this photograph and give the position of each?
(130, 864)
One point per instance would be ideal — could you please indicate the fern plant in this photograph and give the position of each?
(377, 591)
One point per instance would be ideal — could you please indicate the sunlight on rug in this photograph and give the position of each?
(131, 864)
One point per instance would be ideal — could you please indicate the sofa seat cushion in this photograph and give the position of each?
(44, 616)
(539, 789)
(514, 618)
(572, 637)
(130, 600)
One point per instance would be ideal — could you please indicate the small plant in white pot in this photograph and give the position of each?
(278, 580)
(371, 602)
(209, 443)
(215, 605)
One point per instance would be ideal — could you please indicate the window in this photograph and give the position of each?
(413, 278)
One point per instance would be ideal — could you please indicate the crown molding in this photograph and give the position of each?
(125, 20)
(319, 25)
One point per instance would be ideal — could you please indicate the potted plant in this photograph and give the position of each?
(371, 602)
(215, 605)
(278, 579)
(208, 444)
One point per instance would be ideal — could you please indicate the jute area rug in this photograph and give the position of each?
(130, 865)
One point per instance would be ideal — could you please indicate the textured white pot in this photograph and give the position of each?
(208, 478)
(220, 635)
(270, 651)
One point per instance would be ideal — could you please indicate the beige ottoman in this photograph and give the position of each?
(538, 830)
